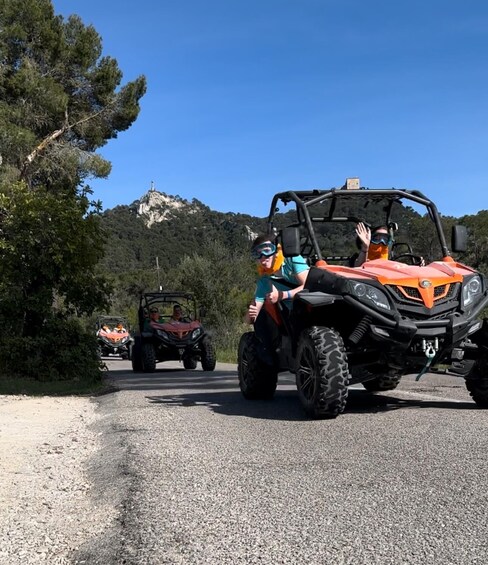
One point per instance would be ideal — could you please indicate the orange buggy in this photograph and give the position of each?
(113, 337)
(161, 338)
(418, 310)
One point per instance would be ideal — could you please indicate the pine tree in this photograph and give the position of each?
(60, 100)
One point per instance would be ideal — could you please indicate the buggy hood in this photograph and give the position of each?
(426, 280)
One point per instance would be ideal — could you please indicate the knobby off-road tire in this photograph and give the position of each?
(388, 381)
(322, 373)
(148, 358)
(477, 382)
(257, 380)
(189, 363)
(209, 358)
(127, 353)
(136, 357)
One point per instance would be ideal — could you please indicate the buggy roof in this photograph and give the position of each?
(150, 297)
(308, 202)
(306, 198)
(112, 319)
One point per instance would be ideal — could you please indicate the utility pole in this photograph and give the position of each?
(159, 280)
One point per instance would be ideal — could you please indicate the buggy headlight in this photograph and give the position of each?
(472, 288)
(196, 333)
(162, 334)
(368, 293)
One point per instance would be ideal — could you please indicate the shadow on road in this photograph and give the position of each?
(219, 390)
(364, 401)
(286, 405)
(170, 379)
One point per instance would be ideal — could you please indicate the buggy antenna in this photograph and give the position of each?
(159, 280)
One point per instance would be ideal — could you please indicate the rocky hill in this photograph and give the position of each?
(167, 227)
(155, 207)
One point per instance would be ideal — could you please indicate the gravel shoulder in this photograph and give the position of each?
(50, 505)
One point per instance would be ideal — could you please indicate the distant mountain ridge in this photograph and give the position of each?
(166, 226)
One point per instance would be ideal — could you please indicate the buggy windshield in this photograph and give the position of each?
(328, 219)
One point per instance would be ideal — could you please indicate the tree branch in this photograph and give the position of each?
(53, 136)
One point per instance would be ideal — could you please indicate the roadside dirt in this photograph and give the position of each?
(47, 505)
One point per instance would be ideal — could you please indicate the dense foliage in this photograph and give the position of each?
(60, 100)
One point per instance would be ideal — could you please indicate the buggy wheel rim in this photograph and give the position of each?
(306, 374)
(244, 368)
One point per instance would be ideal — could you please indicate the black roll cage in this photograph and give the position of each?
(149, 298)
(304, 199)
(112, 321)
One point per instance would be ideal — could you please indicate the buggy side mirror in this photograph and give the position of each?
(459, 239)
(290, 241)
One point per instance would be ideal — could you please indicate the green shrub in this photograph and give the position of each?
(226, 339)
(63, 351)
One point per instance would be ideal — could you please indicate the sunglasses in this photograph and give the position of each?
(263, 250)
(380, 239)
(154, 311)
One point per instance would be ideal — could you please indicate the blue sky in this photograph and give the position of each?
(247, 98)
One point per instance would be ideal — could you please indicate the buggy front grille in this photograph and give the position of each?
(179, 334)
(409, 295)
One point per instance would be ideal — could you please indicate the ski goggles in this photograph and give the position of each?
(380, 239)
(265, 249)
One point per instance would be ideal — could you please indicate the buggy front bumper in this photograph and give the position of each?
(451, 330)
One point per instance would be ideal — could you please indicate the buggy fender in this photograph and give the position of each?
(480, 337)
(317, 298)
(479, 307)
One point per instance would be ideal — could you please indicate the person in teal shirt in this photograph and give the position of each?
(280, 277)
(279, 281)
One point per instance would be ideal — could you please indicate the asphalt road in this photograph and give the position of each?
(202, 476)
